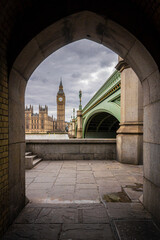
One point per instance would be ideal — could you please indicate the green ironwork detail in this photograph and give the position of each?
(117, 101)
(112, 84)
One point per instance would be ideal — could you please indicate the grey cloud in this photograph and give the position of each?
(76, 75)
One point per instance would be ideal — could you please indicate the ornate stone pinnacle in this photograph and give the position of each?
(80, 96)
(73, 113)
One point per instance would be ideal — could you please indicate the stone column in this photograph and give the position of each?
(79, 124)
(73, 128)
(130, 133)
(70, 130)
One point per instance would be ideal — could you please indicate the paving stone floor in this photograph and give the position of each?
(66, 203)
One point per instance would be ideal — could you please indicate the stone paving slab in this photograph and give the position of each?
(132, 194)
(79, 221)
(86, 232)
(104, 176)
(28, 215)
(139, 230)
(40, 185)
(95, 215)
(85, 174)
(59, 215)
(65, 201)
(33, 232)
(127, 210)
(45, 179)
(83, 168)
(83, 179)
(48, 174)
(86, 186)
(86, 194)
(106, 173)
(65, 175)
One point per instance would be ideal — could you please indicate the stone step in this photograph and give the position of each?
(36, 161)
(31, 157)
(28, 153)
(29, 161)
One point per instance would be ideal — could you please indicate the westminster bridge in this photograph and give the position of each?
(102, 114)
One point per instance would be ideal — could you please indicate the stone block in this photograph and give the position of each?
(130, 148)
(16, 201)
(99, 156)
(87, 148)
(29, 59)
(146, 91)
(151, 196)
(154, 86)
(16, 164)
(151, 123)
(72, 156)
(72, 151)
(29, 162)
(117, 38)
(152, 162)
(141, 61)
(16, 108)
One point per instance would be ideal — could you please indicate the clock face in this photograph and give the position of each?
(60, 99)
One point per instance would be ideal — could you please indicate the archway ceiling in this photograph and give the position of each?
(27, 18)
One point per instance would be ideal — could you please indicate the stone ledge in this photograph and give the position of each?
(73, 141)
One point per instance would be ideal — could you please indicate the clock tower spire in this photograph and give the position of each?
(60, 108)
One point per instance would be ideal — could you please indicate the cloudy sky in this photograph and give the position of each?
(82, 65)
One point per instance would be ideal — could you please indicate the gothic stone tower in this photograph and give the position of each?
(60, 109)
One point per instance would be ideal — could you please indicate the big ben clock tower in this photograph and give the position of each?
(60, 109)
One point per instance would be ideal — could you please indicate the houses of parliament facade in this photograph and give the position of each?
(43, 123)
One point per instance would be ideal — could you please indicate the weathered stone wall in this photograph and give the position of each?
(4, 209)
(4, 182)
(73, 149)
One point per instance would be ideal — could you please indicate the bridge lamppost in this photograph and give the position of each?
(80, 97)
(79, 117)
(73, 124)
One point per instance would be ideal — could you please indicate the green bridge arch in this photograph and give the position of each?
(105, 106)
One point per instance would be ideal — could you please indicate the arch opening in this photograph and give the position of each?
(101, 125)
(83, 25)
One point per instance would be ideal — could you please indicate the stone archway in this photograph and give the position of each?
(95, 27)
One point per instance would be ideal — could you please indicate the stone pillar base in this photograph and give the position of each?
(79, 133)
(130, 144)
(73, 128)
(79, 124)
